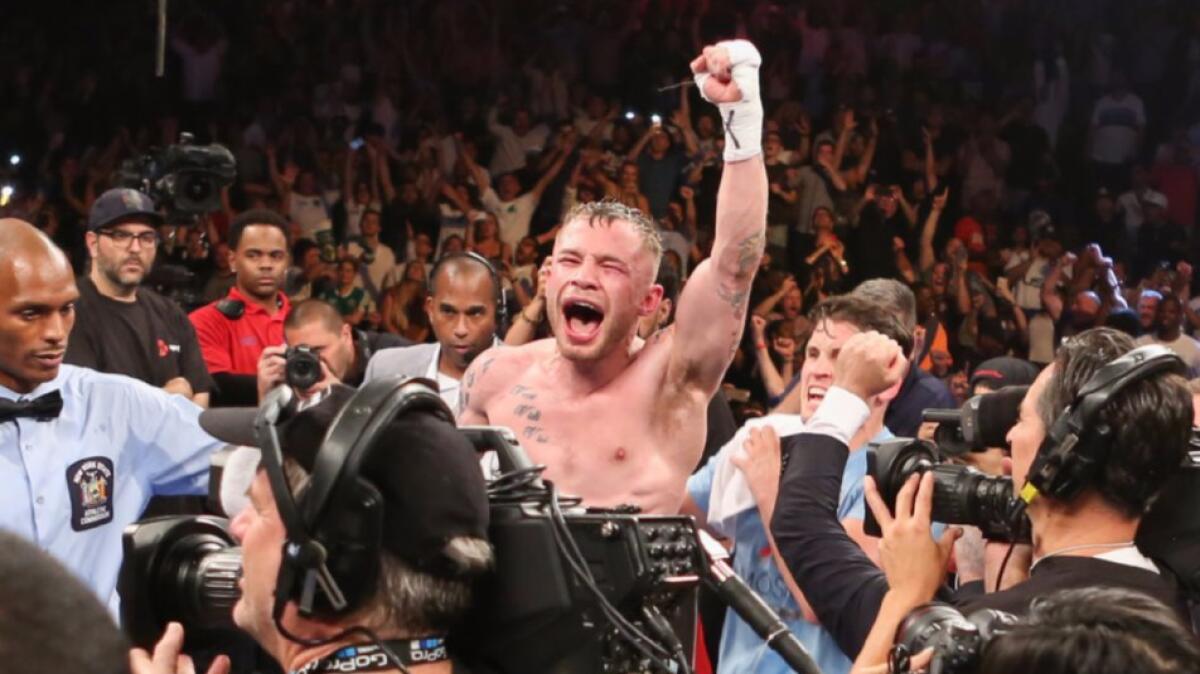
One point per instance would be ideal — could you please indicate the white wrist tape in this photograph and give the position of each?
(743, 121)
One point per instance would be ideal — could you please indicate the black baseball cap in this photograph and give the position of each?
(120, 203)
(426, 471)
(1004, 371)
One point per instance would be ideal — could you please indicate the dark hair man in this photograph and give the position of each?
(234, 330)
(920, 390)
(344, 350)
(1084, 542)
(51, 622)
(434, 540)
(121, 327)
(462, 310)
(82, 451)
(564, 396)
(735, 492)
(1095, 631)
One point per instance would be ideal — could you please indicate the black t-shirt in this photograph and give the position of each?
(150, 339)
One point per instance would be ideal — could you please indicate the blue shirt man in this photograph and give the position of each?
(742, 650)
(81, 452)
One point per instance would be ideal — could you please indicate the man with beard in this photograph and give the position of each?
(463, 306)
(234, 330)
(120, 327)
(564, 397)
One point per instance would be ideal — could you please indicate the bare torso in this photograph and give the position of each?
(630, 441)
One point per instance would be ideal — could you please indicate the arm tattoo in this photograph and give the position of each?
(736, 290)
(735, 294)
(750, 252)
(524, 392)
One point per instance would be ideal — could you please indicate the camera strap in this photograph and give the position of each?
(372, 658)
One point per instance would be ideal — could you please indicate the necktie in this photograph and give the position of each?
(42, 408)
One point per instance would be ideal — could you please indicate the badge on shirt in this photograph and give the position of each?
(90, 484)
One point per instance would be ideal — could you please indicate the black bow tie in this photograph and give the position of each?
(42, 408)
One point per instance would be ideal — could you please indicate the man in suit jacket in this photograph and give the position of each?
(462, 307)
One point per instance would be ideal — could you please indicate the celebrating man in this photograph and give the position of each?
(565, 397)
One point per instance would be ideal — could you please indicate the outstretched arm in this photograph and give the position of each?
(712, 308)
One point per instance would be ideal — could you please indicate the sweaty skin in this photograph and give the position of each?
(616, 420)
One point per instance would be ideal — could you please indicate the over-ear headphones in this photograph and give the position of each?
(331, 555)
(497, 284)
(1079, 442)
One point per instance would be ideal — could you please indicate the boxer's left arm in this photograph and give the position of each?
(713, 305)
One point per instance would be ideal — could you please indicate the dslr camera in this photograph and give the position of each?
(957, 640)
(185, 178)
(302, 368)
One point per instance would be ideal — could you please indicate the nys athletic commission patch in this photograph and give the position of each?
(90, 484)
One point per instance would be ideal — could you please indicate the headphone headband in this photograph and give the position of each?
(1076, 444)
(497, 285)
(340, 561)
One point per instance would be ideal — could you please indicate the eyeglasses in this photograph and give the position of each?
(125, 239)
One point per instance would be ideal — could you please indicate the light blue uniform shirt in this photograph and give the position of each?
(72, 484)
(743, 651)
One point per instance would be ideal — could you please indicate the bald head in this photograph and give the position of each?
(22, 245)
(462, 310)
(313, 310)
(37, 306)
(460, 269)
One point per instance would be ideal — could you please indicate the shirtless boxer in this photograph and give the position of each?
(615, 419)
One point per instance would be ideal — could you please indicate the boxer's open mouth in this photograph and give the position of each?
(582, 319)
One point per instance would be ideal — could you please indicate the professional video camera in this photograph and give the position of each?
(957, 641)
(574, 589)
(184, 178)
(1169, 532)
(961, 494)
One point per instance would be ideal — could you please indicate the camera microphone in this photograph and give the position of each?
(981, 423)
(750, 607)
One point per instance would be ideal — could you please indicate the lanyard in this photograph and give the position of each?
(371, 658)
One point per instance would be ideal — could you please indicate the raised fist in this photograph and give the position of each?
(758, 324)
(869, 364)
(720, 88)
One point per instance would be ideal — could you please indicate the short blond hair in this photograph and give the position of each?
(608, 211)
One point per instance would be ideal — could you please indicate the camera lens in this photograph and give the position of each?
(303, 368)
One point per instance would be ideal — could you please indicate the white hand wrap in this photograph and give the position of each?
(743, 121)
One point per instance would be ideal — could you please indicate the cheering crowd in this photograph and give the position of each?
(849, 214)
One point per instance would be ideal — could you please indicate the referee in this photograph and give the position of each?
(81, 452)
(124, 329)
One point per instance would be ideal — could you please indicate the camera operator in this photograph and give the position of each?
(1083, 542)
(464, 306)
(123, 328)
(83, 451)
(343, 350)
(426, 478)
(234, 330)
